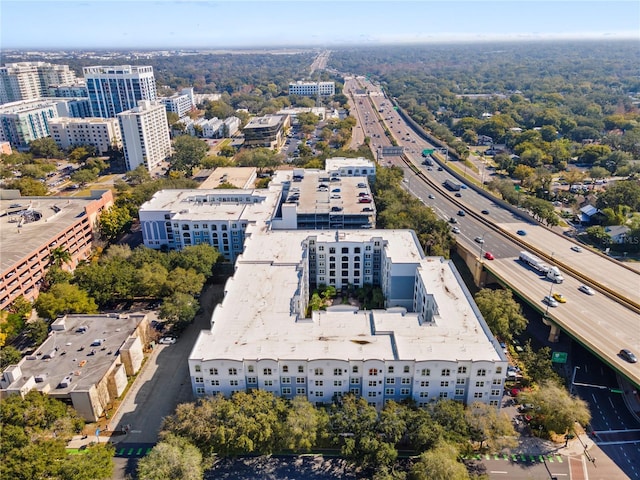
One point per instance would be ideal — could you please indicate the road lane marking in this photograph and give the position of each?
(498, 471)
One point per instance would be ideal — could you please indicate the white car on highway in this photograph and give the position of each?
(586, 289)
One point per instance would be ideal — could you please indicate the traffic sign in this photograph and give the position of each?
(428, 151)
(559, 357)
(615, 390)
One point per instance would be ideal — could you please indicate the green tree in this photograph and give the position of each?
(138, 175)
(28, 187)
(304, 425)
(439, 464)
(180, 280)
(423, 431)
(9, 355)
(201, 258)
(21, 306)
(490, 427)
(174, 457)
(63, 298)
(45, 147)
(152, 280)
(188, 153)
(179, 309)
(84, 176)
(79, 154)
(555, 410)
(501, 312)
(37, 331)
(59, 256)
(537, 364)
(623, 192)
(451, 416)
(114, 221)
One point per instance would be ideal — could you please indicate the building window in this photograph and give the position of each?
(300, 391)
(337, 372)
(373, 383)
(233, 383)
(459, 392)
(390, 369)
(250, 369)
(479, 384)
(373, 372)
(318, 372)
(215, 383)
(233, 371)
(319, 394)
(371, 394)
(462, 370)
(425, 372)
(445, 372)
(406, 381)
(406, 369)
(337, 383)
(213, 371)
(424, 394)
(252, 380)
(300, 369)
(199, 380)
(354, 369)
(424, 383)
(391, 381)
(495, 393)
(300, 380)
(493, 403)
(390, 391)
(477, 395)
(199, 390)
(461, 381)
(444, 383)
(266, 371)
(286, 380)
(355, 391)
(444, 394)
(268, 383)
(319, 383)
(197, 368)
(286, 390)
(481, 373)
(404, 391)
(498, 370)
(497, 381)
(355, 381)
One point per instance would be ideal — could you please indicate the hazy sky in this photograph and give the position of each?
(87, 24)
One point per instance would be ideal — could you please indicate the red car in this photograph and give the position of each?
(489, 256)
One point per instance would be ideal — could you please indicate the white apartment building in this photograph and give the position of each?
(145, 135)
(323, 89)
(181, 103)
(174, 219)
(31, 80)
(25, 121)
(430, 342)
(350, 167)
(115, 89)
(68, 90)
(102, 133)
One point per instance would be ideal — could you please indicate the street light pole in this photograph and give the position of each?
(482, 245)
(573, 379)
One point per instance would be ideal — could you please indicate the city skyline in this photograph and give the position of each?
(249, 24)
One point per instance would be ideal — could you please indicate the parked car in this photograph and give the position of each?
(167, 340)
(586, 289)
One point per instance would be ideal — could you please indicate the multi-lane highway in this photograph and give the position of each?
(601, 323)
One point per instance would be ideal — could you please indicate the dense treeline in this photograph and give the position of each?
(257, 422)
(569, 91)
(35, 431)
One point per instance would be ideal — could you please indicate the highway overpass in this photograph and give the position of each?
(604, 323)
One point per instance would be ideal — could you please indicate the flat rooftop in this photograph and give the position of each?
(256, 318)
(19, 236)
(336, 163)
(240, 177)
(320, 193)
(69, 352)
(266, 121)
(188, 204)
